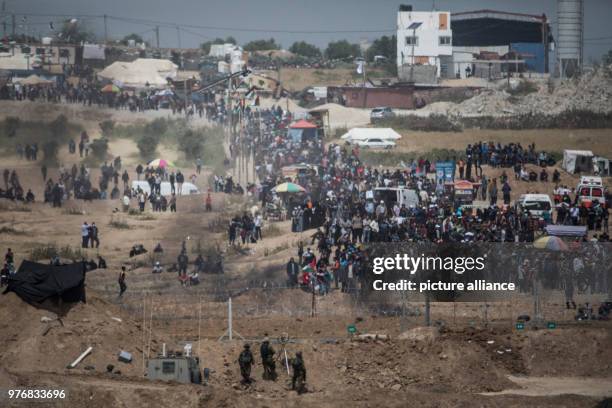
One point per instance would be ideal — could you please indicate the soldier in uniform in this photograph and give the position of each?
(298, 381)
(245, 361)
(267, 360)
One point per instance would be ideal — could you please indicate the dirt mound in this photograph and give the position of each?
(37, 340)
(450, 365)
(571, 351)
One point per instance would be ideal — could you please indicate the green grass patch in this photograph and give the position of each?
(395, 159)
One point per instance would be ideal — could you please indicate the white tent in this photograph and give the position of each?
(576, 161)
(138, 73)
(34, 80)
(371, 133)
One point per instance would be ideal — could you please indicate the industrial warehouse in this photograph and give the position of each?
(306, 204)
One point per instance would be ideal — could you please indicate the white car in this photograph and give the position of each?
(375, 143)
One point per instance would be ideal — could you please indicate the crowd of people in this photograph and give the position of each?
(346, 204)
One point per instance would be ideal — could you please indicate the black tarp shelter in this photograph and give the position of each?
(36, 283)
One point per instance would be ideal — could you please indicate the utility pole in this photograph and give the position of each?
(178, 35)
(105, 30)
(157, 36)
(14, 24)
(3, 19)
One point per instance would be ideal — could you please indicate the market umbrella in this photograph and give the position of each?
(289, 188)
(551, 243)
(110, 88)
(163, 163)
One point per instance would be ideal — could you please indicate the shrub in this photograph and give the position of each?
(107, 127)
(191, 143)
(99, 148)
(118, 223)
(59, 127)
(158, 126)
(11, 124)
(50, 149)
(49, 251)
(147, 145)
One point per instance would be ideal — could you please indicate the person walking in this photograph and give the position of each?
(84, 235)
(198, 165)
(121, 281)
(93, 235)
(172, 203)
(246, 361)
(493, 192)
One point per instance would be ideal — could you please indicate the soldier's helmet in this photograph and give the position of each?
(298, 354)
(247, 346)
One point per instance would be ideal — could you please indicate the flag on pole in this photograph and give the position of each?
(360, 65)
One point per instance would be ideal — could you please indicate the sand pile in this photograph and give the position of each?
(37, 340)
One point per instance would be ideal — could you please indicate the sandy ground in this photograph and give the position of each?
(542, 386)
(449, 367)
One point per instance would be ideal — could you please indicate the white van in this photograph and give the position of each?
(186, 189)
(535, 203)
(400, 195)
(590, 189)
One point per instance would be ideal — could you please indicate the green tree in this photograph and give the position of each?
(147, 145)
(305, 49)
(99, 148)
(227, 40)
(73, 31)
(385, 46)
(136, 37)
(261, 45)
(342, 50)
(607, 58)
(50, 149)
(191, 143)
(11, 124)
(107, 127)
(59, 127)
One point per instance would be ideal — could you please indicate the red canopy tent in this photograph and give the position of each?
(303, 124)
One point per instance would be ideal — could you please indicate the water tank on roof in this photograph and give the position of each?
(570, 20)
(405, 7)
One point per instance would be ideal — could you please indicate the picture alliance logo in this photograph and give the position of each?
(412, 265)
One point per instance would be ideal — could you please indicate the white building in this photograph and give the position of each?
(431, 41)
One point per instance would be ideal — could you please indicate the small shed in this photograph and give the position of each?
(578, 161)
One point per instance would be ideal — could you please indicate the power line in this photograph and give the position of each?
(203, 27)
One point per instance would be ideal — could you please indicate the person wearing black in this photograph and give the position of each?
(172, 179)
(121, 281)
(139, 171)
(293, 271)
(93, 235)
(183, 262)
(180, 179)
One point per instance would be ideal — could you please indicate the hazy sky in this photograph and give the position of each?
(282, 18)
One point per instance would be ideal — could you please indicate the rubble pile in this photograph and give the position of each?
(592, 92)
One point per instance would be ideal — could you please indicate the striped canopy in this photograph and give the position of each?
(289, 188)
(163, 163)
